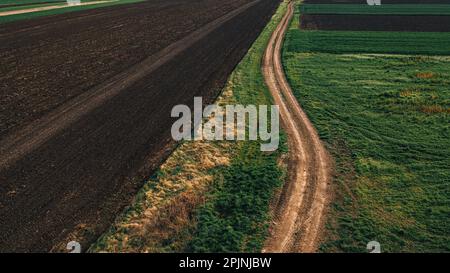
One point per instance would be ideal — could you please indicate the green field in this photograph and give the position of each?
(429, 43)
(384, 9)
(386, 120)
(25, 16)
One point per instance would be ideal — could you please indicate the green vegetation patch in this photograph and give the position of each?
(236, 217)
(23, 2)
(384, 9)
(30, 6)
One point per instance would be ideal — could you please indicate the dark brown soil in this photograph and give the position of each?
(47, 61)
(376, 22)
(68, 175)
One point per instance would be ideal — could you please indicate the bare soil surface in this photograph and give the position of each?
(300, 212)
(29, 4)
(85, 106)
(419, 23)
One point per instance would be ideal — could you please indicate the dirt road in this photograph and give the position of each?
(299, 215)
(85, 107)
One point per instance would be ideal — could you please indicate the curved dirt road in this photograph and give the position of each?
(300, 211)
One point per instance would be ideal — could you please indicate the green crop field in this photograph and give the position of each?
(429, 43)
(384, 9)
(386, 120)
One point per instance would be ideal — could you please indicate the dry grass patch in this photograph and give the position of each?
(162, 213)
(425, 75)
(434, 109)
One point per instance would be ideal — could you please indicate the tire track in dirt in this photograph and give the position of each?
(299, 215)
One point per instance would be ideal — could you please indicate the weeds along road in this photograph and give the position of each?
(299, 214)
(85, 107)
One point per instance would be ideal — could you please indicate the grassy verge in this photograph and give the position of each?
(25, 16)
(385, 119)
(22, 2)
(38, 5)
(208, 196)
(384, 9)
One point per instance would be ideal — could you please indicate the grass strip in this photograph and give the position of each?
(421, 43)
